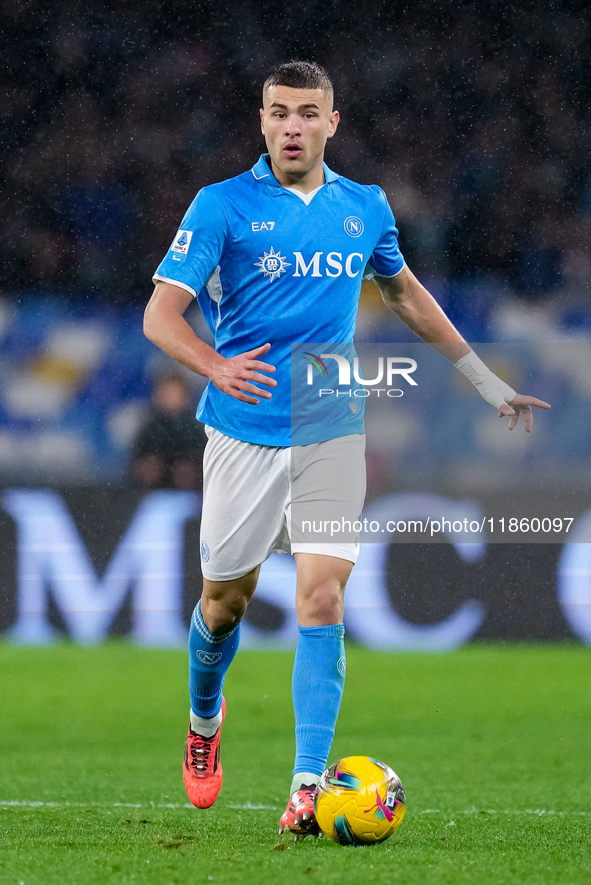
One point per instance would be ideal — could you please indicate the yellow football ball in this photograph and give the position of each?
(359, 801)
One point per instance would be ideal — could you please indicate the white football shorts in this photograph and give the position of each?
(263, 499)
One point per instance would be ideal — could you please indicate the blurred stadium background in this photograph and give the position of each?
(473, 117)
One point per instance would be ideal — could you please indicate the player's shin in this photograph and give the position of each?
(317, 688)
(210, 656)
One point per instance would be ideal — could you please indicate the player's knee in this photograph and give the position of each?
(323, 604)
(223, 613)
(223, 603)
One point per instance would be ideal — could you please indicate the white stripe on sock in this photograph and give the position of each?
(303, 777)
(205, 727)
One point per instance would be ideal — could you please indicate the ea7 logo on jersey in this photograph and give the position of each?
(180, 245)
(262, 225)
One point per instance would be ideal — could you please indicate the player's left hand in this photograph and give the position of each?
(522, 404)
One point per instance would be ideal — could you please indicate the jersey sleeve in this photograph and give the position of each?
(195, 252)
(386, 259)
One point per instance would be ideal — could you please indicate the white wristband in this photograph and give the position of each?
(491, 388)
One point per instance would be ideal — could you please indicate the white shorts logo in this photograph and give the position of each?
(342, 665)
(209, 657)
(204, 551)
(353, 226)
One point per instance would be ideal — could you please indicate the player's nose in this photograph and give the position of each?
(293, 125)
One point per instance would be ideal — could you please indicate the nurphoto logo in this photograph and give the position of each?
(390, 370)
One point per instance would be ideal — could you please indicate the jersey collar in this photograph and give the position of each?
(263, 175)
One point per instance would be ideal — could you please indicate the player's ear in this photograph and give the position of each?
(262, 113)
(333, 123)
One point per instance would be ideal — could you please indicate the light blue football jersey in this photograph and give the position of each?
(266, 267)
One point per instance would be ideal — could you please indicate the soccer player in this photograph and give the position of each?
(276, 257)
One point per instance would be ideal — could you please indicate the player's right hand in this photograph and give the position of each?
(235, 375)
(521, 404)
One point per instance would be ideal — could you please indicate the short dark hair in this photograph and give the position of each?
(300, 75)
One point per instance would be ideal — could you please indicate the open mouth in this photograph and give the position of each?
(292, 150)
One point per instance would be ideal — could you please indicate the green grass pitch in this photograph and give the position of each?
(492, 743)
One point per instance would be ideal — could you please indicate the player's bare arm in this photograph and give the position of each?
(408, 299)
(166, 327)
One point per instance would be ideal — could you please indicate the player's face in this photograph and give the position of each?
(296, 124)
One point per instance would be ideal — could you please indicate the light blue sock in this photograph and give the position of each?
(317, 689)
(209, 658)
